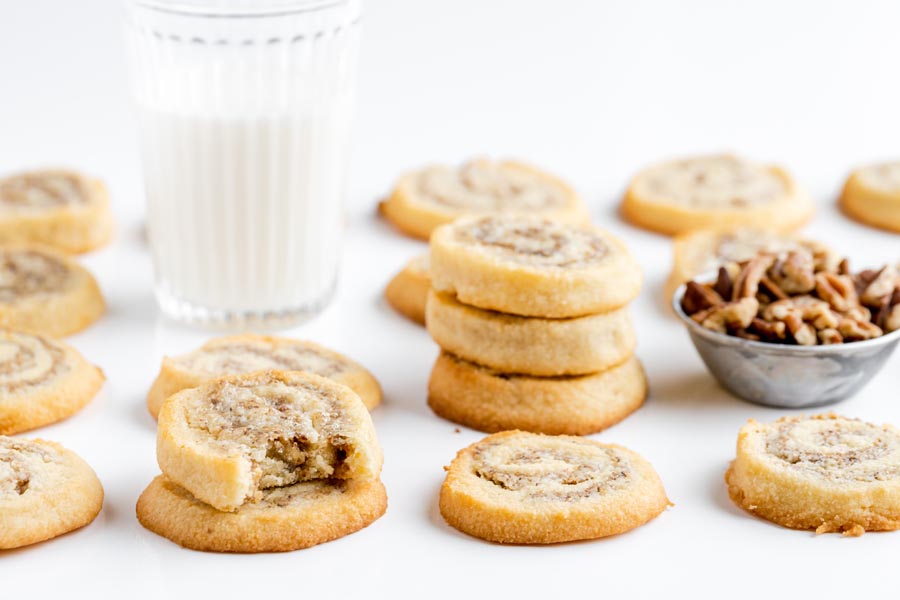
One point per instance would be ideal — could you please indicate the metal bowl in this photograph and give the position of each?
(787, 376)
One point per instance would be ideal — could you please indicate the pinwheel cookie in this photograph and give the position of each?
(532, 267)
(872, 195)
(45, 491)
(42, 381)
(436, 195)
(240, 354)
(56, 208)
(704, 250)
(715, 191)
(486, 400)
(408, 290)
(523, 488)
(283, 519)
(826, 472)
(229, 440)
(45, 292)
(530, 345)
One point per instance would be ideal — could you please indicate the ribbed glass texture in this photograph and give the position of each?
(245, 124)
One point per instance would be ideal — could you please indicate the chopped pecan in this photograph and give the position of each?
(804, 333)
(723, 285)
(837, 290)
(843, 267)
(731, 315)
(854, 331)
(699, 297)
(769, 331)
(747, 335)
(883, 284)
(830, 335)
(771, 288)
(892, 321)
(864, 278)
(747, 283)
(795, 273)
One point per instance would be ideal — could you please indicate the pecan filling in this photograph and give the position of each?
(837, 449)
(247, 357)
(17, 461)
(568, 472)
(30, 191)
(28, 272)
(28, 360)
(537, 243)
(483, 186)
(716, 182)
(290, 433)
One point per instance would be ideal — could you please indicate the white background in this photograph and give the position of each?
(591, 90)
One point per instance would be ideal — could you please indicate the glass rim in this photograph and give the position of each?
(220, 10)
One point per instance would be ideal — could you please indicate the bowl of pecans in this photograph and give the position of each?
(792, 330)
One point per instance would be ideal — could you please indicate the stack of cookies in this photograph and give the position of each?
(264, 462)
(532, 319)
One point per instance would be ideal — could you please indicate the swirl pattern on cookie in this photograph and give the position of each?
(714, 191)
(532, 267)
(283, 519)
(525, 488)
(45, 491)
(436, 195)
(872, 195)
(544, 244)
(230, 439)
(41, 381)
(825, 472)
(240, 354)
(45, 292)
(566, 471)
(36, 191)
(58, 208)
(28, 360)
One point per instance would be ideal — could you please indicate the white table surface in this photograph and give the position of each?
(590, 90)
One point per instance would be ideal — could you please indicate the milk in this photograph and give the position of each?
(245, 127)
(244, 213)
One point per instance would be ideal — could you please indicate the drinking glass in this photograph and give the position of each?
(244, 109)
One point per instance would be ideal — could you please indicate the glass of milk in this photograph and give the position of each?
(245, 109)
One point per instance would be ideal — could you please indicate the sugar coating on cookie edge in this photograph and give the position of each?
(825, 473)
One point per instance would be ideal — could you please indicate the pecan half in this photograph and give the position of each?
(747, 283)
(699, 297)
(854, 331)
(883, 284)
(795, 273)
(830, 336)
(731, 315)
(837, 290)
